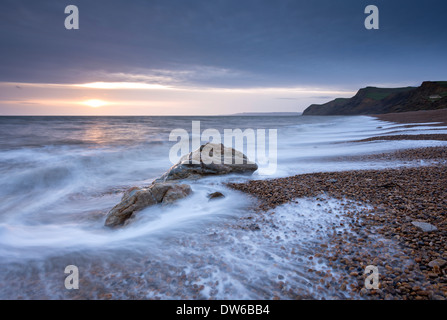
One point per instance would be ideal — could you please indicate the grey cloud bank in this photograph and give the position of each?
(223, 43)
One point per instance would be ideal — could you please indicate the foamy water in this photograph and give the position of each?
(60, 176)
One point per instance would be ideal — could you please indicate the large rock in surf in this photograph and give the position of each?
(209, 159)
(136, 199)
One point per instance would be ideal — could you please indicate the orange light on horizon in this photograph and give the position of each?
(95, 103)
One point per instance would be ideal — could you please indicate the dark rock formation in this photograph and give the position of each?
(371, 100)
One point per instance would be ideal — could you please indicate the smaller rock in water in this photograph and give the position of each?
(424, 226)
(133, 200)
(215, 195)
(137, 199)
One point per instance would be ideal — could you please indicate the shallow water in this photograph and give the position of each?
(61, 175)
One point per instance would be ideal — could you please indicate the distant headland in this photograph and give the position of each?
(431, 95)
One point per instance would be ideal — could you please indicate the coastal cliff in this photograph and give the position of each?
(431, 95)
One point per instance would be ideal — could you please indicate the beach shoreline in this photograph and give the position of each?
(400, 199)
(311, 243)
(415, 117)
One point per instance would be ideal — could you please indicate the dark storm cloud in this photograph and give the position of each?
(224, 42)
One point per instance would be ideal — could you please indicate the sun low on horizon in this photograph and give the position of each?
(95, 103)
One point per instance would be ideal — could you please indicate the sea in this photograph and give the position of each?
(60, 176)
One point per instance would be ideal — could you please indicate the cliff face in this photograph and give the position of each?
(371, 100)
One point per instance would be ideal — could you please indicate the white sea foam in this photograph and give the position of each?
(58, 182)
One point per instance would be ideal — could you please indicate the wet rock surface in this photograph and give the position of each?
(137, 199)
(178, 191)
(209, 159)
(215, 195)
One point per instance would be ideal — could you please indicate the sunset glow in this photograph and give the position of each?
(94, 103)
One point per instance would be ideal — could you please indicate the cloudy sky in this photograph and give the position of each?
(190, 57)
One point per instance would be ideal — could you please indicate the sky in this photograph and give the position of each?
(210, 57)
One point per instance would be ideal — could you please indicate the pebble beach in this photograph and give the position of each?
(403, 208)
